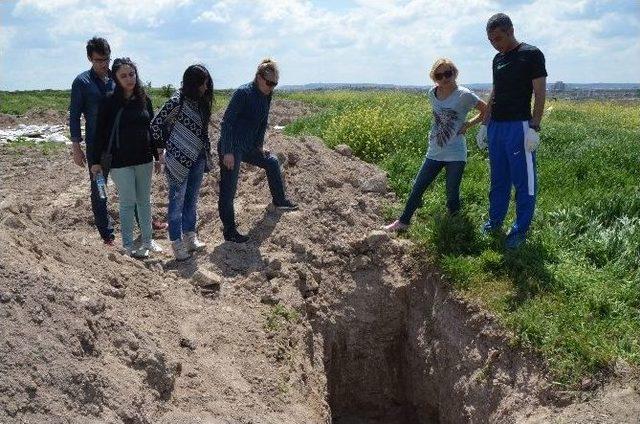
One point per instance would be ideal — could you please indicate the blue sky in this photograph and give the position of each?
(42, 41)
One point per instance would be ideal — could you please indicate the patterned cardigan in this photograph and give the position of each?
(178, 127)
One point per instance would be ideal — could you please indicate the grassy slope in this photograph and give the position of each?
(573, 291)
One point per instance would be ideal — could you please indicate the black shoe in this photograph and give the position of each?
(236, 237)
(287, 205)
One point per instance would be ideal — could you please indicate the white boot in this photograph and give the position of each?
(180, 250)
(192, 242)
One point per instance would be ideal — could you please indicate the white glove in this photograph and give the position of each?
(531, 140)
(481, 137)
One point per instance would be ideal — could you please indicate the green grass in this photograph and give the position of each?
(19, 102)
(573, 291)
(47, 148)
(278, 316)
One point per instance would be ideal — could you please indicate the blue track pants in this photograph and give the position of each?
(511, 164)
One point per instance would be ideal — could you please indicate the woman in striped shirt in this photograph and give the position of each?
(181, 127)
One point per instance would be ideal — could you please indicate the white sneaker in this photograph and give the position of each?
(153, 247)
(192, 243)
(180, 250)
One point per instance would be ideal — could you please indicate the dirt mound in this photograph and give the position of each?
(319, 318)
(7, 121)
(45, 116)
(36, 116)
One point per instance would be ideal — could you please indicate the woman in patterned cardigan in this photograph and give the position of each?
(181, 127)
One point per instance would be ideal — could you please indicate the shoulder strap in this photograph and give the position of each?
(115, 130)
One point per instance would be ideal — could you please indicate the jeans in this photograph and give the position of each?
(428, 172)
(183, 201)
(229, 183)
(103, 221)
(134, 193)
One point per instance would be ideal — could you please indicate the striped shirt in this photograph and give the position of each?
(179, 128)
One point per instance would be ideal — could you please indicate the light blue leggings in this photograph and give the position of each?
(134, 191)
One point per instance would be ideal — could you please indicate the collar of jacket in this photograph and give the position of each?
(254, 88)
(95, 76)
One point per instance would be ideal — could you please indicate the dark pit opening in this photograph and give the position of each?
(415, 353)
(370, 376)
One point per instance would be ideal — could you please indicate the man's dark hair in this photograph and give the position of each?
(98, 45)
(499, 20)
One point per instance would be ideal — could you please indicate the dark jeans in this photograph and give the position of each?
(428, 172)
(104, 223)
(229, 183)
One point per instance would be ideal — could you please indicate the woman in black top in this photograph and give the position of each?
(123, 129)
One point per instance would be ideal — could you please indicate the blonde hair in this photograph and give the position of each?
(268, 68)
(443, 61)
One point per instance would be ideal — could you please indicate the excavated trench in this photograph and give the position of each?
(416, 354)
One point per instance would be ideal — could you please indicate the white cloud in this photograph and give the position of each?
(368, 40)
(219, 13)
(47, 6)
(73, 16)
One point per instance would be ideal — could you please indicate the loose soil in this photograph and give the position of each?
(35, 117)
(319, 318)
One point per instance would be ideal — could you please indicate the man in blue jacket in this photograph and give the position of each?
(87, 92)
(512, 130)
(242, 140)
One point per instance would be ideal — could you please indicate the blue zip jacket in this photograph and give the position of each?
(87, 92)
(245, 120)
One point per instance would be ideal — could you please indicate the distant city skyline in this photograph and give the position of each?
(42, 42)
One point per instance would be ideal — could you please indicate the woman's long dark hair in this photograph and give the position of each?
(192, 79)
(138, 90)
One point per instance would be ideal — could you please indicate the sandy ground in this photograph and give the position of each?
(319, 318)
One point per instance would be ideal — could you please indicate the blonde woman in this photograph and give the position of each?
(242, 140)
(447, 146)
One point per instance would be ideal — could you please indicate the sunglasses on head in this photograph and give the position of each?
(446, 74)
(268, 82)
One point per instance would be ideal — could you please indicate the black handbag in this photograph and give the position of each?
(107, 156)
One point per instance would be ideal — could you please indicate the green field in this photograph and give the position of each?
(573, 291)
(19, 102)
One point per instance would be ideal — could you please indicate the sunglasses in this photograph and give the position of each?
(446, 74)
(269, 83)
(101, 60)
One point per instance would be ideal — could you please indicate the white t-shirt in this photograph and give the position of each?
(445, 144)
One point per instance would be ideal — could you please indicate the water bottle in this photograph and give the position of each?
(102, 185)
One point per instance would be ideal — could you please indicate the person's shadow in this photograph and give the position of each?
(241, 258)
